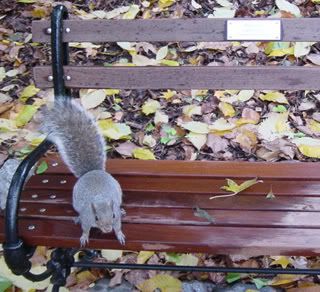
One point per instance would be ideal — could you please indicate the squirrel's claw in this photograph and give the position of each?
(121, 237)
(123, 212)
(84, 239)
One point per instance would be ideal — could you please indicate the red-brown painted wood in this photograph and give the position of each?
(186, 77)
(198, 29)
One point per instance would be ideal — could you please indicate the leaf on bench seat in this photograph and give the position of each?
(163, 282)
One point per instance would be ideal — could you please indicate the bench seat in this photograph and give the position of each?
(160, 199)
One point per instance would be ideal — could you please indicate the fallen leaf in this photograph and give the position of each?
(195, 4)
(283, 261)
(149, 141)
(285, 5)
(2, 73)
(126, 148)
(165, 3)
(91, 98)
(160, 118)
(143, 154)
(112, 91)
(4, 284)
(227, 109)
(224, 12)
(114, 131)
(224, 3)
(140, 60)
(168, 94)
(25, 115)
(143, 256)
(302, 48)
(164, 282)
(111, 254)
(245, 95)
(42, 167)
(314, 58)
(217, 144)
(234, 188)
(169, 63)
(192, 109)
(309, 147)
(233, 277)
(150, 106)
(260, 283)
(284, 279)
(196, 127)
(132, 12)
(274, 96)
(162, 53)
(28, 92)
(197, 140)
(270, 195)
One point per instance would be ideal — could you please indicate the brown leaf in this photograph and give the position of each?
(126, 148)
(216, 143)
(250, 114)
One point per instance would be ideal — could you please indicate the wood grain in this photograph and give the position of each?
(213, 30)
(160, 199)
(186, 77)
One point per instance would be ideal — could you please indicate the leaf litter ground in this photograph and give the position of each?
(182, 125)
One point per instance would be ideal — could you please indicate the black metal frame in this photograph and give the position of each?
(17, 254)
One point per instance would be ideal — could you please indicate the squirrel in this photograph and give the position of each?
(96, 196)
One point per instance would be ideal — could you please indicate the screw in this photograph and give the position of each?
(34, 196)
(55, 164)
(50, 78)
(53, 196)
(42, 210)
(68, 77)
(45, 181)
(31, 227)
(23, 209)
(48, 30)
(63, 182)
(67, 30)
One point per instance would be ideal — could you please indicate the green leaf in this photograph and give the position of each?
(42, 167)
(4, 284)
(270, 195)
(279, 109)
(26, 1)
(233, 277)
(143, 154)
(25, 115)
(28, 92)
(260, 282)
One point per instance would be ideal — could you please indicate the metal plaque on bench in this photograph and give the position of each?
(253, 30)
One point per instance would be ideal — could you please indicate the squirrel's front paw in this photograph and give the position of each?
(84, 239)
(121, 237)
(123, 212)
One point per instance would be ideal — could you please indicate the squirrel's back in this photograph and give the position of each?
(76, 134)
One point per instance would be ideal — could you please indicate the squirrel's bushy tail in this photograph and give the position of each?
(76, 135)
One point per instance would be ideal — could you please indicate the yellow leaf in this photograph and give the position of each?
(112, 91)
(150, 106)
(313, 125)
(310, 151)
(85, 276)
(284, 279)
(132, 12)
(111, 254)
(25, 115)
(283, 261)
(7, 125)
(143, 256)
(196, 127)
(28, 92)
(169, 63)
(227, 109)
(36, 141)
(188, 260)
(192, 109)
(245, 95)
(114, 131)
(165, 3)
(91, 98)
(168, 94)
(143, 154)
(274, 96)
(198, 140)
(282, 52)
(164, 282)
(221, 125)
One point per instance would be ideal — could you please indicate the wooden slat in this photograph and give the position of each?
(202, 185)
(289, 170)
(186, 77)
(185, 200)
(179, 216)
(211, 239)
(301, 29)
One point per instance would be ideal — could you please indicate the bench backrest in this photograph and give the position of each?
(181, 77)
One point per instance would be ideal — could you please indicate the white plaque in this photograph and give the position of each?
(254, 30)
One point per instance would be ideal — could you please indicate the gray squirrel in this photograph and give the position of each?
(97, 196)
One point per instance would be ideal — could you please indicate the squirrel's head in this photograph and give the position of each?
(103, 213)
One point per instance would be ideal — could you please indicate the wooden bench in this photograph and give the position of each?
(160, 197)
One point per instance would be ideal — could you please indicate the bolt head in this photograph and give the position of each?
(68, 78)
(67, 30)
(50, 78)
(48, 30)
(31, 227)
